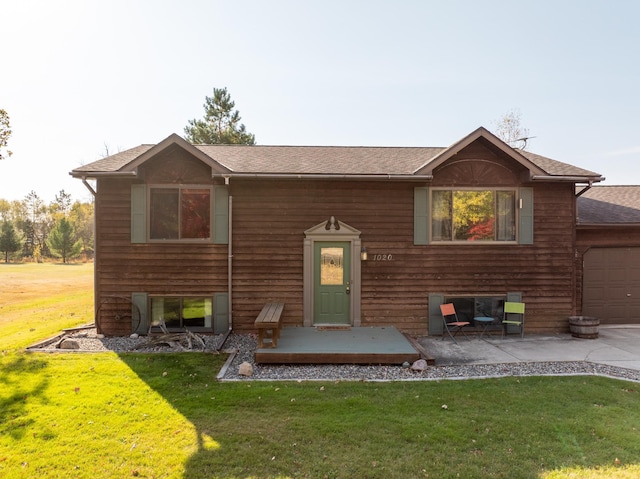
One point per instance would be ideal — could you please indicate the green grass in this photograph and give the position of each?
(165, 416)
(39, 300)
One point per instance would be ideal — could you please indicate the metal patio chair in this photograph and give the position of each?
(513, 316)
(452, 324)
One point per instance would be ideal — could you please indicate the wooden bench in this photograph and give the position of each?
(268, 324)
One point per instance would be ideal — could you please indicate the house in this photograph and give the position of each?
(608, 253)
(202, 236)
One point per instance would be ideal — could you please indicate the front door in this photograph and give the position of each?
(332, 282)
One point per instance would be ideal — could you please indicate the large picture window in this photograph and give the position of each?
(473, 215)
(180, 213)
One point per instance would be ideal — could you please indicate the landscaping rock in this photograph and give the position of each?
(69, 344)
(246, 369)
(419, 365)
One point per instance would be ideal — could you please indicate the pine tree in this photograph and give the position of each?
(62, 242)
(9, 241)
(221, 123)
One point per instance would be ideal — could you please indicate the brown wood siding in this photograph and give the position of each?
(271, 216)
(154, 268)
(269, 220)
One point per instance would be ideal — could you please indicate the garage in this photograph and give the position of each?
(611, 285)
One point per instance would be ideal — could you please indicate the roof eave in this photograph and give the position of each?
(86, 175)
(590, 226)
(326, 176)
(568, 178)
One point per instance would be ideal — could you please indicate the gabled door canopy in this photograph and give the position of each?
(332, 229)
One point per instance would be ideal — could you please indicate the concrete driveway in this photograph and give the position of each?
(617, 345)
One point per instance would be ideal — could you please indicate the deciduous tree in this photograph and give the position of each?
(81, 218)
(510, 130)
(62, 204)
(5, 134)
(36, 224)
(221, 123)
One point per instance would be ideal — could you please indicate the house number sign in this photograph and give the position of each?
(382, 257)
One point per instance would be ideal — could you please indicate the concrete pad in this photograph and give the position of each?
(616, 346)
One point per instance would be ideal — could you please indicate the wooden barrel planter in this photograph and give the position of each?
(585, 327)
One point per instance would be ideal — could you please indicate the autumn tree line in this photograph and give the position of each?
(33, 231)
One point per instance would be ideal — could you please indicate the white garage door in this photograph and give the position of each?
(612, 285)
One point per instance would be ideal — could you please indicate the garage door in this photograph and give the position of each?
(612, 285)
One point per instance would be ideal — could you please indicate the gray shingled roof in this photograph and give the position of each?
(258, 159)
(309, 160)
(609, 205)
(344, 160)
(114, 162)
(554, 167)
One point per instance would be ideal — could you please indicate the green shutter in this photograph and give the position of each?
(435, 316)
(220, 215)
(139, 323)
(525, 233)
(220, 313)
(138, 213)
(421, 215)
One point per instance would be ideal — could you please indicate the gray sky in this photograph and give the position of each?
(78, 75)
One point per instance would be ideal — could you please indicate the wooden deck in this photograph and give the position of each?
(334, 346)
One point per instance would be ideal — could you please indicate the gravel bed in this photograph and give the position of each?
(242, 346)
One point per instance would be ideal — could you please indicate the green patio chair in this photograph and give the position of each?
(513, 315)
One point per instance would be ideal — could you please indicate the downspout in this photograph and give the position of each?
(229, 268)
(230, 258)
(86, 183)
(585, 189)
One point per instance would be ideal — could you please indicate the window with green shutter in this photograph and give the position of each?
(169, 213)
(473, 215)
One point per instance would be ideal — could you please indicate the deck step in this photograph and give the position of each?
(358, 345)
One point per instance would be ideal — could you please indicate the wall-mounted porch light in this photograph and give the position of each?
(363, 254)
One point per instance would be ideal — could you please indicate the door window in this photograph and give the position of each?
(331, 266)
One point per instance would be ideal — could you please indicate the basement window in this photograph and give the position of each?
(180, 312)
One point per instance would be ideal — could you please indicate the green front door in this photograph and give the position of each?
(332, 282)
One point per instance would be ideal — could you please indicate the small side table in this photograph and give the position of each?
(485, 322)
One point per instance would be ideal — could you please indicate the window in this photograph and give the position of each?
(469, 307)
(473, 215)
(182, 312)
(180, 213)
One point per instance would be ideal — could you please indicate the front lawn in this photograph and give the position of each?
(165, 416)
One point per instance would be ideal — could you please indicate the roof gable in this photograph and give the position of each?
(174, 140)
(453, 150)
